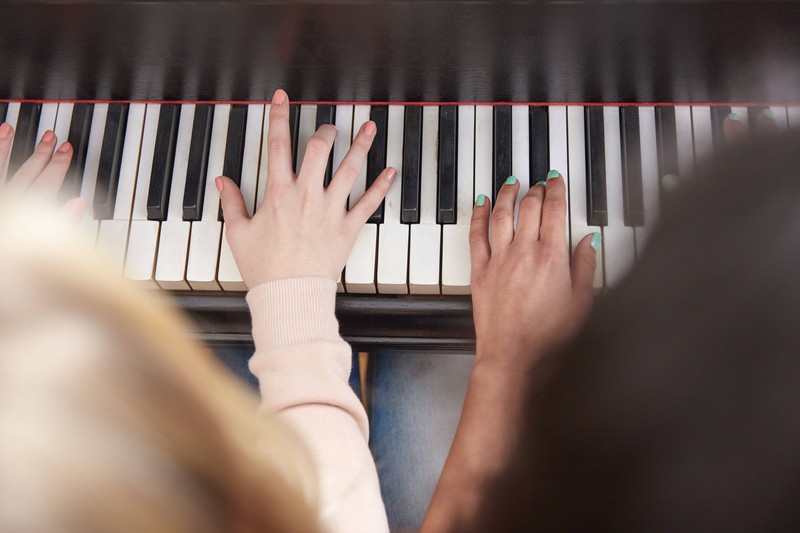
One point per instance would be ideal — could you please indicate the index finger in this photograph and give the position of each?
(279, 140)
(554, 210)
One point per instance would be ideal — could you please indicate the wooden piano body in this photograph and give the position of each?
(404, 51)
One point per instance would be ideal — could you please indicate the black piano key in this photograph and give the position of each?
(294, 132)
(79, 128)
(448, 165)
(195, 188)
(596, 201)
(3, 111)
(376, 158)
(501, 146)
(326, 114)
(412, 165)
(105, 194)
(718, 115)
(632, 193)
(539, 135)
(234, 147)
(667, 141)
(163, 159)
(25, 136)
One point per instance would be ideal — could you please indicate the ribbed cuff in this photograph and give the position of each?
(293, 311)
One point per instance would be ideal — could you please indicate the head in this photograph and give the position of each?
(677, 408)
(111, 419)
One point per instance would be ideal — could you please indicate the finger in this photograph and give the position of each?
(36, 163)
(312, 171)
(530, 213)
(584, 264)
(279, 141)
(479, 249)
(349, 169)
(50, 179)
(733, 128)
(765, 121)
(372, 199)
(233, 206)
(74, 208)
(6, 138)
(554, 210)
(502, 226)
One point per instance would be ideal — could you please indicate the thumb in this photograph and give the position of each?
(232, 202)
(584, 264)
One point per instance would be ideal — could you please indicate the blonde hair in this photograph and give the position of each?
(112, 420)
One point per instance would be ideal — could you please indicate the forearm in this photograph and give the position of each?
(486, 432)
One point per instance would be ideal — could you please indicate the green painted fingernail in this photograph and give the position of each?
(767, 112)
(540, 183)
(511, 180)
(481, 200)
(734, 116)
(669, 182)
(596, 240)
(553, 174)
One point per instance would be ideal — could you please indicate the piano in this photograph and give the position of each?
(159, 98)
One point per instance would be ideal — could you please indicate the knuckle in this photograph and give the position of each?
(317, 147)
(501, 215)
(277, 145)
(529, 202)
(554, 204)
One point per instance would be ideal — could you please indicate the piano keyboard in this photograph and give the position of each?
(147, 171)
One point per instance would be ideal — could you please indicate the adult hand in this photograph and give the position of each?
(526, 296)
(301, 229)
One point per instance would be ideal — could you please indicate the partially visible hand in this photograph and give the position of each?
(526, 297)
(44, 171)
(301, 229)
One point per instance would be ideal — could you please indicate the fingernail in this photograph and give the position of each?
(596, 240)
(540, 183)
(48, 136)
(767, 112)
(669, 182)
(511, 180)
(370, 128)
(5, 130)
(391, 174)
(553, 174)
(734, 116)
(279, 97)
(66, 147)
(481, 200)
(218, 182)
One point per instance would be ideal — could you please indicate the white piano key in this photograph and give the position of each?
(742, 112)
(557, 126)
(63, 121)
(359, 273)
(577, 190)
(424, 264)
(794, 117)
(781, 119)
(89, 225)
(229, 277)
(685, 140)
(650, 179)
(143, 236)
(392, 235)
(47, 121)
(344, 128)
(703, 139)
(113, 235)
(206, 234)
(173, 240)
(484, 130)
(263, 166)
(308, 123)
(455, 237)
(618, 239)
(520, 150)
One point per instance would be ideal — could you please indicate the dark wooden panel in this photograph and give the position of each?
(403, 51)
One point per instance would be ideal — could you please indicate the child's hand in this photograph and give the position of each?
(302, 229)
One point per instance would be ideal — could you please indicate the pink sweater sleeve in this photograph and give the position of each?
(303, 366)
